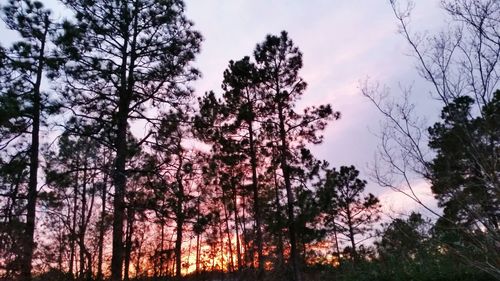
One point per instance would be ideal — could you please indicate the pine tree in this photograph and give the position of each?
(243, 110)
(464, 177)
(403, 239)
(178, 171)
(348, 211)
(463, 172)
(24, 106)
(74, 174)
(127, 56)
(278, 62)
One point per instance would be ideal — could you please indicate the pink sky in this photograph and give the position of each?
(342, 43)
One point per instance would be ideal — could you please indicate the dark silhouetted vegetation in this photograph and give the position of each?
(141, 178)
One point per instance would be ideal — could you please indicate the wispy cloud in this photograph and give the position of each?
(395, 203)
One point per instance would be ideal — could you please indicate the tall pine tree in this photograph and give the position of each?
(278, 61)
(24, 106)
(127, 56)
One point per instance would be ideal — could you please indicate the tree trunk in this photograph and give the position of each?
(188, 264)
(351, 235)
(128, 240)
(73, 223)
(81, 232)
(120, 181)
(246, 254)
(29, 243)
(119, 177)
(179, 216)
(88, 255)
(102, 230)
(280, 247)
(61, 248)
(178, 246)
(221, 236)
(231, 258)
(236, 221)
(290, 196)
(256, 207)
(162, 239)
(197, 254)
(336, 241)
(139, 256)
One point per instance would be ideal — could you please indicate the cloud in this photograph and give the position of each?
(397, 203)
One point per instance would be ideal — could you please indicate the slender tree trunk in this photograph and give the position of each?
(179, 216)
(236, 222)
(171, 257)
(226, 218)
(88, 255)
(197, 258)
(139, 256)
(197, 254)
(120, 182)
(221, 236)
(119, 177)
(102, 229)
(88, 274)
(178, 246)
(162, 241)
(289, 193)
(188, 264)
(81, 232)
(29, 243)
(336, 241)
(73, 223)
(280, 247)
(81, 245)
(351, 235)
(245, 240)
(256, 206)
(61, 248)
(128, 240)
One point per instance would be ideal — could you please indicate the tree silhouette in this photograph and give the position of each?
(463, 175)
(402, 239)
(347, 211)
(24, 105)
(126, 56)
(458, 62)
(278, 61)
(75, 176)
(243, 108)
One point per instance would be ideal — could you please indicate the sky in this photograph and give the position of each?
(343, 43)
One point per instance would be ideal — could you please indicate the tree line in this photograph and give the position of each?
(111, 167)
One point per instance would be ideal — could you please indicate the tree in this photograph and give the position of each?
(403, 239)
(74, 174)
(24, 105)
(177, 169)
(347, 211)
(232, 126)
(460, 62)
(308, 221)
(464, 176)
(126, 56)
(278, 61)
(243, 104)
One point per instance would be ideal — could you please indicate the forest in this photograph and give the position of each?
(113, 167)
